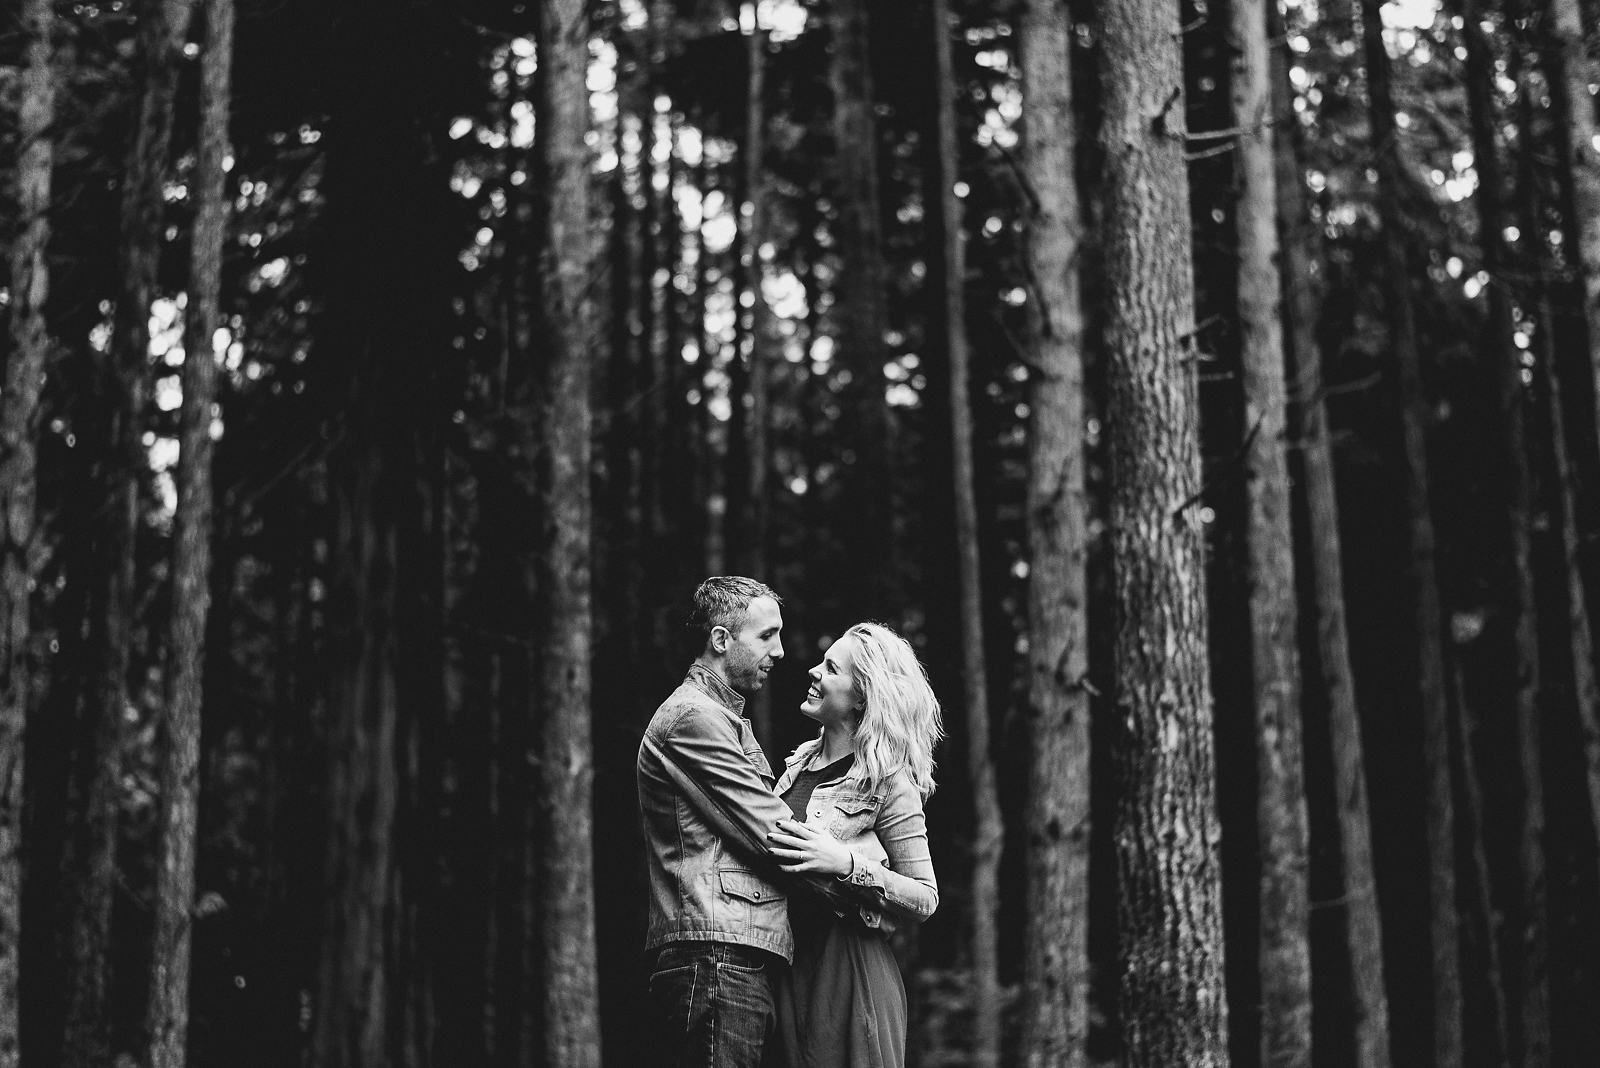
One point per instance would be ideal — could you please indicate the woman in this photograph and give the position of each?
(856, 791)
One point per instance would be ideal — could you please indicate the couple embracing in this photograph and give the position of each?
(771, 900)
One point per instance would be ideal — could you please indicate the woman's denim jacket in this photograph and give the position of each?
(886, 831)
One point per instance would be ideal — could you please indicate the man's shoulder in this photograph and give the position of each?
(686, 704)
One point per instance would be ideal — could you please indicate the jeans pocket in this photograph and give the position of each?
(745, 1014)
(680, 995)
(741, 959)
(714, 1004)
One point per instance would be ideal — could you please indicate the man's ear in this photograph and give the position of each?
(720, 637)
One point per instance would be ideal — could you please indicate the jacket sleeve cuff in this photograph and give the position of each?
(862, 874)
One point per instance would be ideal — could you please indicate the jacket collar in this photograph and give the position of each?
(709, 681)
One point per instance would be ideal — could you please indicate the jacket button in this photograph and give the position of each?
(756, 895)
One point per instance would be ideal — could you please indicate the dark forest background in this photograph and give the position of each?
(1206, 388)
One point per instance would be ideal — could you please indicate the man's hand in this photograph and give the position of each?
(801, 848)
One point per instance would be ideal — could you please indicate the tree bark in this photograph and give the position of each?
(710, 439)
(511, 551)
(1529, 924)
(1585, 682)
(664, 459)
(988, 834)
(293, 871)
(167, 1005)
(1444, 921)
(1360, 922)
(19, 417)
(1480, 900)
(753, 229)
(1557, 482)
(1055, 976)
(384, 324)
(566, 772)
(1285, 952)
(756, 512)
(1571, 71)
(860, 291)
(1166, 832)
(160, 24)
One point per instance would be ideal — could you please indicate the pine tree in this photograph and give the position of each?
(19, 417)
(167, 1006)
(1437, 751)
(1055, 1018)
(567, 918)
(1285, 950)
(1166, 831)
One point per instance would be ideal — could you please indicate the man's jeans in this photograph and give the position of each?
(713, 1005)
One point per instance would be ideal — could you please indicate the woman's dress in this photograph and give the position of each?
(843, 1003)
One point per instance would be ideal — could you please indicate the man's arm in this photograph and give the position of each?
(717, 779)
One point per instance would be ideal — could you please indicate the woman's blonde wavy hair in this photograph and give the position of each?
(900, 720)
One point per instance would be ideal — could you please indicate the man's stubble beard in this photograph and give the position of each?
(744, 675)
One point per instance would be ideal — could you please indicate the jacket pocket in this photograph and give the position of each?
(852, 817)
(746, 886)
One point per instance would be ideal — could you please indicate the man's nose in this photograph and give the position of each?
(777, 650)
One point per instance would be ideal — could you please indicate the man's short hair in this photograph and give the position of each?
(724, 601)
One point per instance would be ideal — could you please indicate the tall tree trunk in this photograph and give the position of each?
(566, 771)
(628, 370)
(385, 320)
(353, 982)
(1444, 921)
(1285, 951)
(1055, 967)
(19, 417)
(656, 254)
(1359, 919)
(1166, 832)
(1585, 683)
(1571, 69)
(427, 926)
(1532, 1025)
(664, 459)
(1569, 77)
(167, 1004)
(292, 868)
(753, 231)
(988, 835)
(510, 551)
(756, 512)
(709, 447)
(1480, 896)
(860, 292)
(1567, 631)
(160, 35)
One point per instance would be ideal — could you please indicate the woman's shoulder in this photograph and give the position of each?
(897, 786)
(801, 752)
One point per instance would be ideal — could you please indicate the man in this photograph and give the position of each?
(717, 918)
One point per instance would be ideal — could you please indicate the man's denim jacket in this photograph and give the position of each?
(706, 799)
(885, 828)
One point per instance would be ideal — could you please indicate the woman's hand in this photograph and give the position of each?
(802, 848)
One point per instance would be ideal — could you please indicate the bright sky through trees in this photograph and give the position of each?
(1412, 14)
